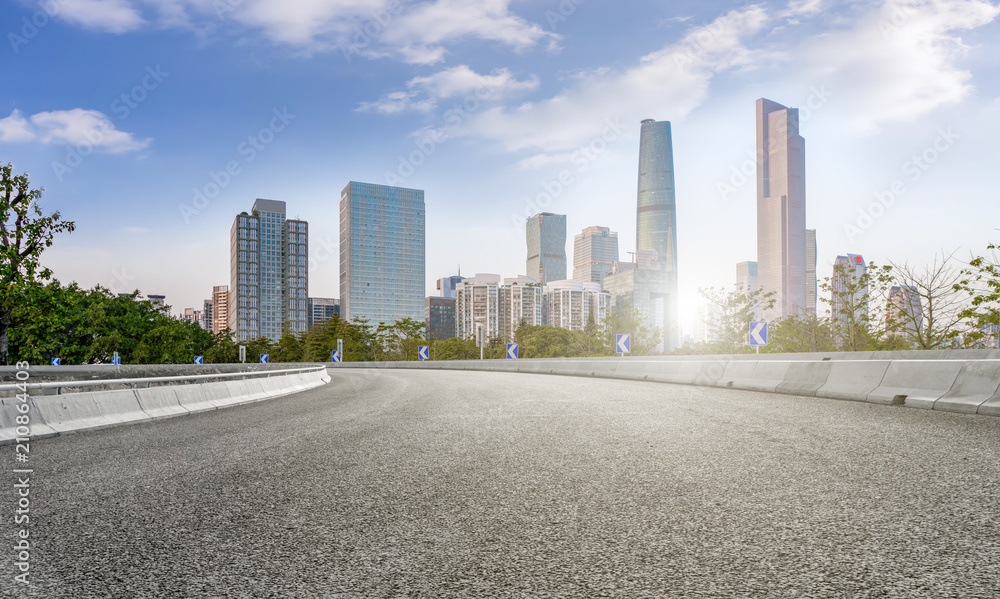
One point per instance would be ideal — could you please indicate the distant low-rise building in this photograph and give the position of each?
(322, 309)
(440, 318)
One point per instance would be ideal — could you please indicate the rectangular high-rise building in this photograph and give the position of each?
(595, 250)
(207, 315)
(571, 305)
(477, 304)
(268, 272)
(545, 234)
(382, 253)
(220, 308)
(520, 302)
(812, 285)
(781, 209)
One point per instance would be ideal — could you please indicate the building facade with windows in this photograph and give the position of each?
(220, 308)
(477, 304)
(781, 209)
(440, 317)
(382, 253)
(568, 304)
(321, 310)
(269, 277)
(520, 301)
(545, 234)
(849, 296)
(595, 250)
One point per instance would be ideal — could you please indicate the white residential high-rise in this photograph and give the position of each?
(812, 285)
(477, 303)
(520, 301)
(568, 304)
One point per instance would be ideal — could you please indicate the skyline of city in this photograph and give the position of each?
(905, 106)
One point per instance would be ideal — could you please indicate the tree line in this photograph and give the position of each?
(945, 305)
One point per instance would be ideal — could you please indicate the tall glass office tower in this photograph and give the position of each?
(656, 231)
(545, 234)
(781, 209)
(382, 253)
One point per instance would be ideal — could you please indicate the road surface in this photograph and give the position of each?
(395, 483)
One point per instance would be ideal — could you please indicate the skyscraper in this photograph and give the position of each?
(546, 237)
(595, 250)
(269, 278)
(781, 209)
(382, 253)
(812, 285)
(656, 231)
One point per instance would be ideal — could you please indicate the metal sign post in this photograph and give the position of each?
(243, 353)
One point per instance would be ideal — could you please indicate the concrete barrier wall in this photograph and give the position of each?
(52, 415)
(953, 380)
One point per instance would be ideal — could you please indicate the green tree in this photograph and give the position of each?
(289, 347)
(645, 339)
(799, 334)
(24, 233)
(980, 281)
(733, 312)
(859, 308)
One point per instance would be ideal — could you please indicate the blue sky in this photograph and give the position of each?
(122, 109)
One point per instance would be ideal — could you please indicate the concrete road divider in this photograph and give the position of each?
(853, 379)
(160, 402)
(67, 413)
(976, 384)
(51, 415)
(953, 380)
(804, 378)
(916, 383)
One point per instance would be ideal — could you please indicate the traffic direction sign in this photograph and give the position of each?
(263, 358)
(423, 352)
(511, 351)
(335, 356)
(56, 362)
(758, 333)
(623, 343)
(199, 360)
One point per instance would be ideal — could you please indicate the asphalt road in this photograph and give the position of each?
(460, 484)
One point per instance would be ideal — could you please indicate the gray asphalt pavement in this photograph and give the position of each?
(460, 484)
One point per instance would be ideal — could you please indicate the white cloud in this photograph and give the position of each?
(411, 31)
(666, 84)
(73, 127)
(114, 16)
(897, 63)
(424, 92)
(15, 129)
